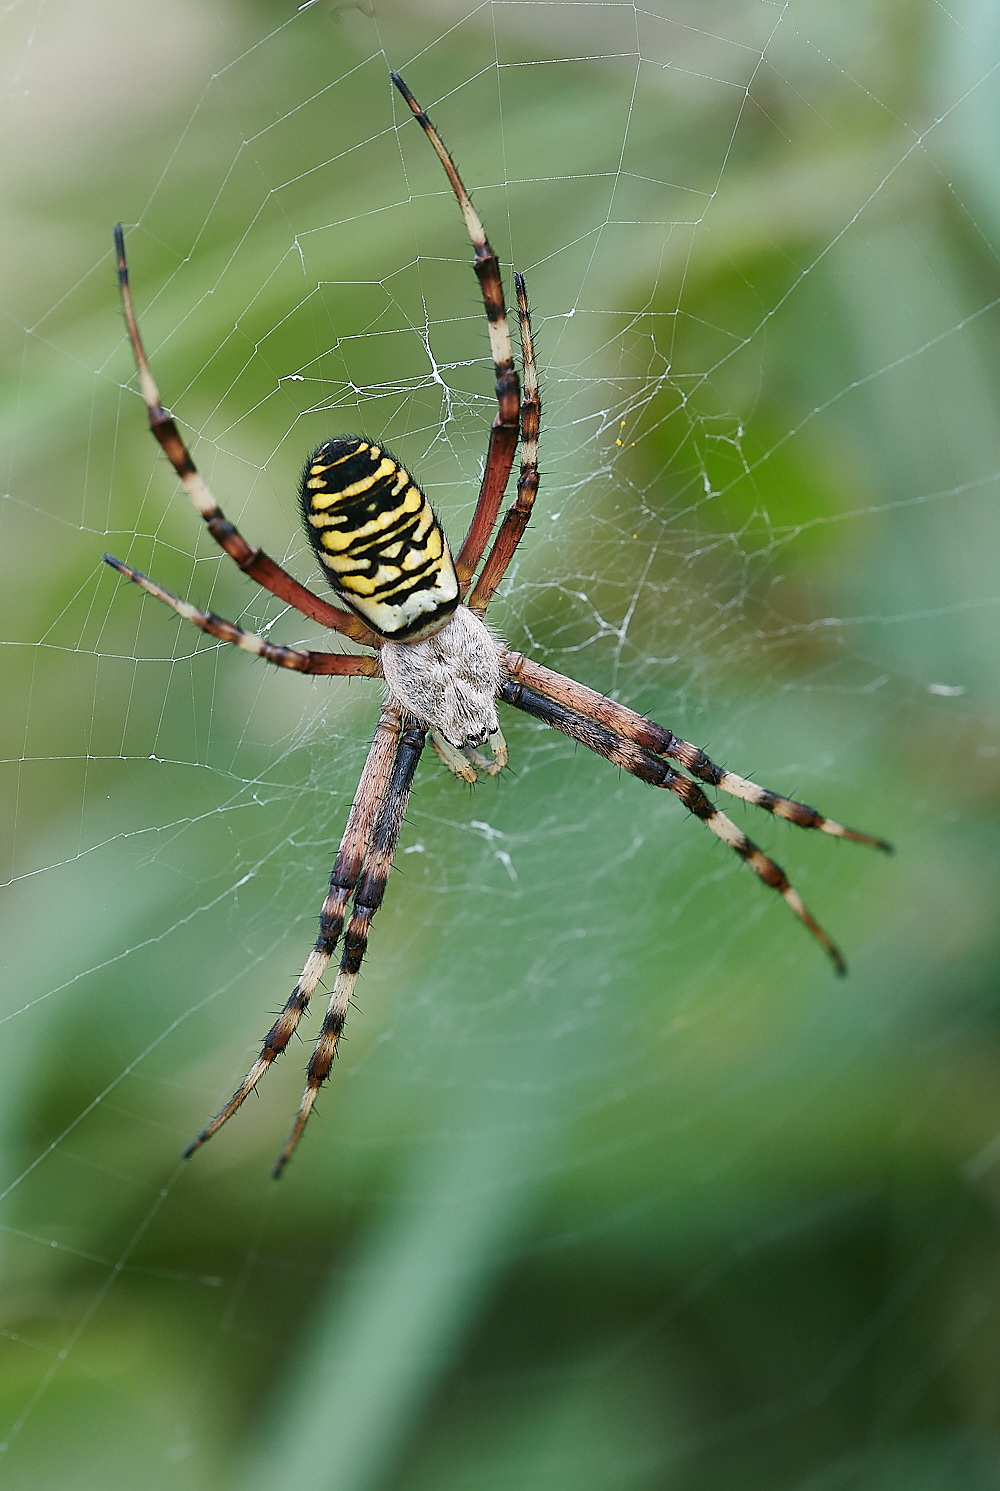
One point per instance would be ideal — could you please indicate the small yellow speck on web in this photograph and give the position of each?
(622, 426)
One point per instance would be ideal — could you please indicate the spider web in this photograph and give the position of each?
(613, 1184)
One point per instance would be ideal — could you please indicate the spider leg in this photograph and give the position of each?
(516, 519)
(632, 758)
(663, 742)
(252, 561)
(503, 435)
(368, 800)
(367, 900)
(228, 631)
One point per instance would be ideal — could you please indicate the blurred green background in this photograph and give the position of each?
(614, 1184)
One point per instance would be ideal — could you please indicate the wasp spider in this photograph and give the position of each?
(420, 613)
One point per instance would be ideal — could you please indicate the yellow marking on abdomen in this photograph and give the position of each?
(378, 539)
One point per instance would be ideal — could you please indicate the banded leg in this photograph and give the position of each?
(252, 561)
(663, 742)
(503, 435)
(368, 801)
(227, 631)
(516, 518)
(632, 758)
(367, 900)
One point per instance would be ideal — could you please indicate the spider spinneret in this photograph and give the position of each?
(421, 615)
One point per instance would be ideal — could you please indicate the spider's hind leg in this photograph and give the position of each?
(503, 436)
(251, 560)
(516, 518)
(344, 663)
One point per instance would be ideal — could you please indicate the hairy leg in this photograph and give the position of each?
(632, 758)
(368, 801)
(663, 742)
(367, 900)
(252, 561)
(516, 518)
(227, 631)
(503, 436)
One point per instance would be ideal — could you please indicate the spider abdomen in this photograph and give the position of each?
(377, 538)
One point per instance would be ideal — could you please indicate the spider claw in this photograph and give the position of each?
(243, 1091)
(860, 838)
(305, 1108)
(793, 899)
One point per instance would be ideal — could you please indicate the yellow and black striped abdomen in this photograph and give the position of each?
(377, 539)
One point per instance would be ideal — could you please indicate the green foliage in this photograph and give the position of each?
(613, 1184)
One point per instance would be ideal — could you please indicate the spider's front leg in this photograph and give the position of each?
(660, 741)
(348, 867)
(367, 900)
(619, 749)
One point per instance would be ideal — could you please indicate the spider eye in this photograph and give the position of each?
(377, 538)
